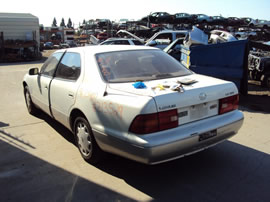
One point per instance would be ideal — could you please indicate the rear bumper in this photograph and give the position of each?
(174, 143)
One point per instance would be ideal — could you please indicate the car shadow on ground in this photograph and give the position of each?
(58, 127)
(24, 177)
(226, 172)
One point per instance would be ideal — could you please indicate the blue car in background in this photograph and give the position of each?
(48, 45)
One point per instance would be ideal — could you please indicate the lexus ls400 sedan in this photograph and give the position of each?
(136, 102)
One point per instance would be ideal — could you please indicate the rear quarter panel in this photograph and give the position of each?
(108, 111)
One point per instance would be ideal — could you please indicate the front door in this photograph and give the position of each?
(41, 94)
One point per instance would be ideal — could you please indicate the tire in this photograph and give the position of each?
(251, 76)
(32, 109)
(86, 142)
(266, 81)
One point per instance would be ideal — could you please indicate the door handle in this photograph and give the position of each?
(46, 87)
(70, 94)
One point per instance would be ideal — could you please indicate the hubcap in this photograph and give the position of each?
(84, 139)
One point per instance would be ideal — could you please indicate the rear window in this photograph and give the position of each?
(129, 66)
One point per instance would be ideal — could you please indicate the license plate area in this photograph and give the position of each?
(207, 135)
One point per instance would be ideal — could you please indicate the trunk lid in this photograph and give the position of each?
(198, 100)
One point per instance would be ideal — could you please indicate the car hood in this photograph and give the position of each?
(204, 89)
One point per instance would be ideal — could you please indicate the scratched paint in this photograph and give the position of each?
(106, 107)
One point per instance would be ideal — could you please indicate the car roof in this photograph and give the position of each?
(173, 31)
(115, 39)
(92, 50)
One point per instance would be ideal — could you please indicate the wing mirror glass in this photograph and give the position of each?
(33, 71)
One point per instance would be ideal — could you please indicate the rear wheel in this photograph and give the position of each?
(85, 141)
(32, 109)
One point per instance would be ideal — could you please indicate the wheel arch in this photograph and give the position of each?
(73, 115)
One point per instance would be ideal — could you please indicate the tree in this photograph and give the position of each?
(69, 24)
(54, 24)
(63, 23)
(84, 22)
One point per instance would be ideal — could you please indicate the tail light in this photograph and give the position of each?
(150, 123)
(228, 104)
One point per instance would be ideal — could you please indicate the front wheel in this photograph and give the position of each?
(32, 109)
(85, 141)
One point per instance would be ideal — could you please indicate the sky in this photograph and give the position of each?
(133, 9)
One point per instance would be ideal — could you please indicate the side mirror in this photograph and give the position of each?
(33, 71)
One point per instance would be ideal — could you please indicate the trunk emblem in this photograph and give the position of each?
(202, 96)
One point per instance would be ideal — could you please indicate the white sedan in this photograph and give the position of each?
(136, 102)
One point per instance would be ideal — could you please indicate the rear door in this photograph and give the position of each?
(64, 86)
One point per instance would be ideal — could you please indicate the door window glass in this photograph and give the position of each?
(49, 66)
(69, 67)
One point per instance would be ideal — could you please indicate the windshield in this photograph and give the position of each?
(138, 65)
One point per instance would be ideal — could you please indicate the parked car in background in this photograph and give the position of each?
(249, 22)
(263, 24)
(174, 49)
(64, 45)
(97, 92)
(71, 44)
(202, 18)
(56, 46)
(234, 21)
(184, 18)
(218, 20)
(220, 36)
(159, 17)
(245, 33)
(48, 45)
(121, 41)
(164, 38)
